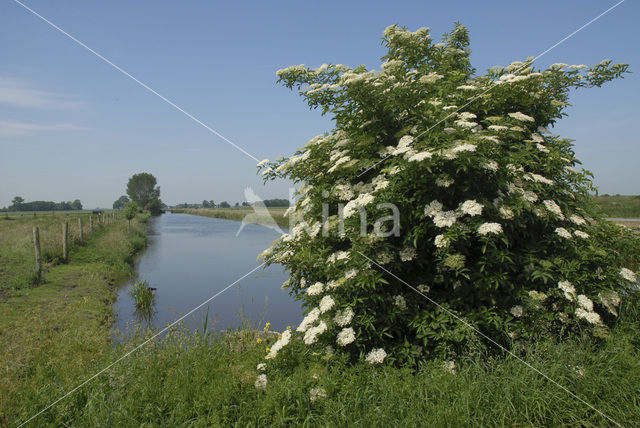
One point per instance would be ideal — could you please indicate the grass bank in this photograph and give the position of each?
(240, 214)
(203, 379)
(619, 206)
(54, 335)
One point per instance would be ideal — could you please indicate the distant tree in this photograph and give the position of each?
(16, 203)
(121, 202)
(142, 188)
(212, 204)
(225, 204)
(155, 207)
(237, 204)
(130, 211)
(276, 202)
(76, 205)
(246, 204)
(205, 204)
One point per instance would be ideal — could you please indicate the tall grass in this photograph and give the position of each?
(143, 296)
(196, 379)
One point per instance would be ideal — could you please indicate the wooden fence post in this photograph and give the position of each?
(80, 235)
(36, 244)
(90, 224)
(65, 241)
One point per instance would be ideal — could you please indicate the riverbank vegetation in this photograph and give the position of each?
(619, 206)
(209, 379)
(56, 334)
(240, 214)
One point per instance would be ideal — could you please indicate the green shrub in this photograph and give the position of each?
(496, 225)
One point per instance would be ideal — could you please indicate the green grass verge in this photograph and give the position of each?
(619, 206)
(239, 214)
(58, 333)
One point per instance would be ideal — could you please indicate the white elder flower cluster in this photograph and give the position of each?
(490, 228)
(261, 382)
(408, 254)
(376, 356)
(354, 205)
(471, 208)
(629, 275)
(568, 289)
(346, 336)
(553, 208)
(343, 317)
(279, 344)
(521, 117)
(440, 218)
(315, 289)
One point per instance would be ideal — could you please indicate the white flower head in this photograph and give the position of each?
(529, 196)
(311, 317)
(491, 166)
(326, 303)
(263, 162)
(577, 220)
(344, 317)
(444, 181)
(591, 317)
(506, 213)
(516, 311)
(408, 254)
(315, 289)
(562, 232)
(629, 275)
(280, 343)
(553, 208)
(581, 234)
(376, 356)
(420, 156)
(261, 382)
(445, 219)
(346, 336)
(261, 367)
(311, 335)
(441, 241)
(316, 394)
(521, 117)
(568, 289)
(400, 302)
(423, 288)
(433, 208)
(487, 228)
(585, 302)
(471, 207)
(542, 148)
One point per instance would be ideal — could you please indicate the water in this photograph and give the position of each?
(190, 258)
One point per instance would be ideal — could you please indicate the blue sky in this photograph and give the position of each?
(71, 126)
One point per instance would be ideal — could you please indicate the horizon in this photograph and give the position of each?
(74, 127)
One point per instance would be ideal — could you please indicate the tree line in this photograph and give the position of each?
(18, 204)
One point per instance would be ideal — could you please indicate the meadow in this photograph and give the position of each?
(238, 214)
(56, 335)
(56, 332)
(619, 206)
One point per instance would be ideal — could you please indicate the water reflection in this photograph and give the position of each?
(191, 258)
